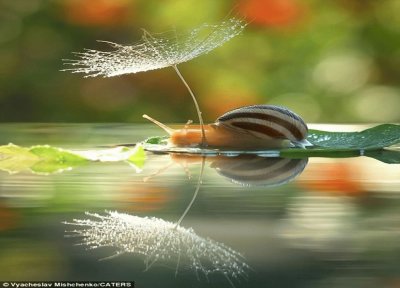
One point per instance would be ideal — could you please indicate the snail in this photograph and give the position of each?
(249, 127)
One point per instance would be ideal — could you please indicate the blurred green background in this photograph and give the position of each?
(330, 61)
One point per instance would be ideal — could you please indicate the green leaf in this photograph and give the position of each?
(54, 159)
(156, 140)
(320, 152)
(138, 157)
(387, 156)
(14, 159)
(46, 159)
(378, 137)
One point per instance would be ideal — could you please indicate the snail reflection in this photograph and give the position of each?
(254, 170)
(245, 170)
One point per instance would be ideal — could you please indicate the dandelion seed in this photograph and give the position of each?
(159, 240)
(156, 52)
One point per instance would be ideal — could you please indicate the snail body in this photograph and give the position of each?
(250, 127)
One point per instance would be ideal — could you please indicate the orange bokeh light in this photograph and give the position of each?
(335, 178)
(221, 102)
(271, 13)
(8, 218)
(150, 198)
(96, 13)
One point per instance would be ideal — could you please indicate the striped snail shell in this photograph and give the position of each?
(268, 123)
(250, 127)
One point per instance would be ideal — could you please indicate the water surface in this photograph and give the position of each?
(312, 223)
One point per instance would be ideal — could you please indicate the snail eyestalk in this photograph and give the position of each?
(159, 124)
(203, 133)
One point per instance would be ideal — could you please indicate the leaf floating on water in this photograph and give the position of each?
(53, 159)
(377, 137)
(137, 158)
(14, 159)
(159, 241)
(39, 159)
(45, 159)
(386, 156)
(115, 154)
(156, 140)
(154, 51)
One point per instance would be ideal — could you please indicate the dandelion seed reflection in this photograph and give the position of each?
(159, 241)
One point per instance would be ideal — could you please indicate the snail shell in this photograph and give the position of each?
(249, 127)
(266, 121)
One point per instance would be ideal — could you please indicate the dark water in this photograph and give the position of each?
(254, 223)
